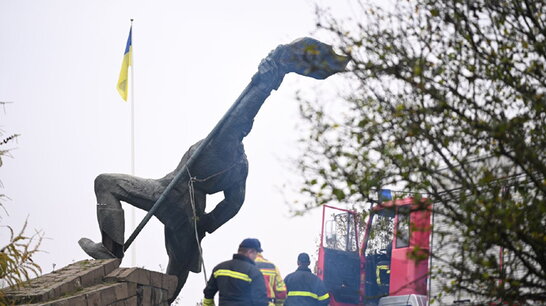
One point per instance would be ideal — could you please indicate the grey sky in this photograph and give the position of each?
(59, 63)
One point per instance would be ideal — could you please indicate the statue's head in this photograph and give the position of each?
(310, 57)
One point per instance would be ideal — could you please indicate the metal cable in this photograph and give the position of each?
(192, 201)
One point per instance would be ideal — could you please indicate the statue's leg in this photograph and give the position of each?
(182, 273)
(110, 190)
(180, 238)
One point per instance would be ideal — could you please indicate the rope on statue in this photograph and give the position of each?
(195, 179)
(192, 201)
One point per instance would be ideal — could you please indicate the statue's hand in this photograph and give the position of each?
(202, 226)
(305, 56)
(309, 57)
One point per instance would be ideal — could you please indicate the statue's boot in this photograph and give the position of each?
(112, 226)
(95, 249)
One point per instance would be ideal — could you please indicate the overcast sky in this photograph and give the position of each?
(59, 63)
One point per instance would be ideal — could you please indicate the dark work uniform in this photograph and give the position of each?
(239, 282)
(305, 288)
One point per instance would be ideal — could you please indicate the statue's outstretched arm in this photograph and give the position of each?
(305, 56)
(225, 210)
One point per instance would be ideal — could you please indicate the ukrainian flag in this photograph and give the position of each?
(123, 81)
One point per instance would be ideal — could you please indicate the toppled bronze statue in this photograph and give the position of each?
(219, 165)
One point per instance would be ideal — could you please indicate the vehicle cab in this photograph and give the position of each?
(395, 251)
(389, 267)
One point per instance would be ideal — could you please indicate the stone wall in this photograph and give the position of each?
(96, 282)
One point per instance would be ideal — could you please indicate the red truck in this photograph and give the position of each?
(390, 266)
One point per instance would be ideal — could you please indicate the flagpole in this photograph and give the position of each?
(133, 217)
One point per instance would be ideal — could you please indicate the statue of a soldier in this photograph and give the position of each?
(221, 166)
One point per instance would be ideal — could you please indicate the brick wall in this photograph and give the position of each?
(96, 282)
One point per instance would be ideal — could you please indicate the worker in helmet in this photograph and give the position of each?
(238, 280)
(276, 289)
(304, 287)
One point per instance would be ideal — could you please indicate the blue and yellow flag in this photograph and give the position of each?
(123, 81)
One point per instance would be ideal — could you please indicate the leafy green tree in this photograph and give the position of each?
(16, 253)
(446, 101)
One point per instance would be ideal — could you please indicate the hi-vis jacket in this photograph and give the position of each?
(239, 283)
(276, 289)
(305, 288)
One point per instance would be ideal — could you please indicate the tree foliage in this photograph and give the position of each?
(16, 253)
(447, 101)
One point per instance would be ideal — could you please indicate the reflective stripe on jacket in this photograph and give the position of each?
(382, 274)
(276, 289)
(238, 282)
(305, 288)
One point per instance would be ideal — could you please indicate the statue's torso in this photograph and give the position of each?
(217, 168)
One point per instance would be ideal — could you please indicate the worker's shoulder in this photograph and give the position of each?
(260, 260)
(237, 264)
(302, 274)
(242, 261)
(292, 275)
(224, 264)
